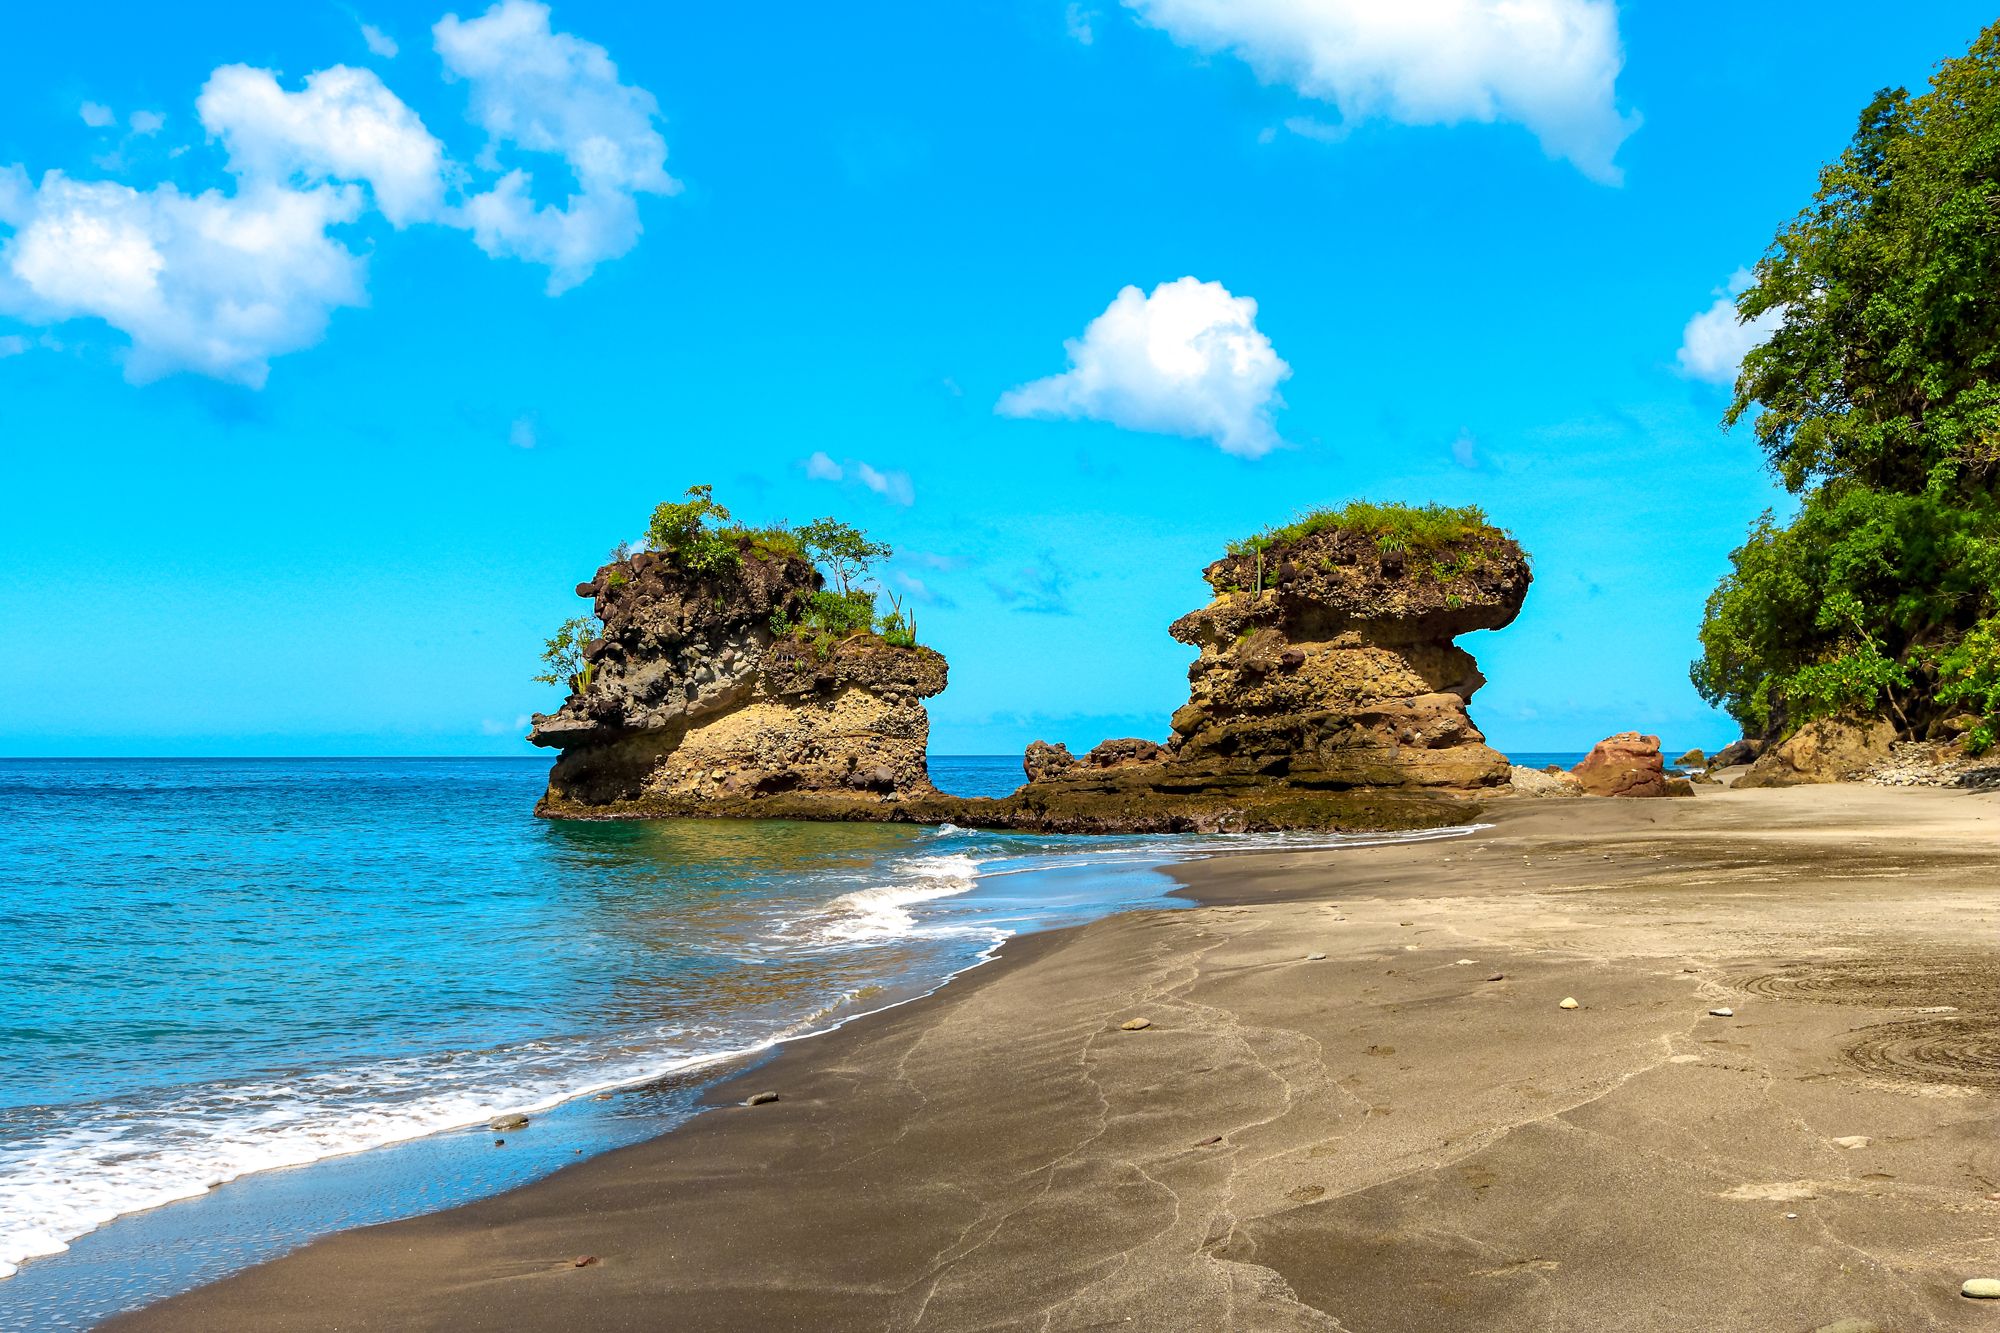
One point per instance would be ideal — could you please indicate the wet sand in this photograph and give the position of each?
(1382, 1141)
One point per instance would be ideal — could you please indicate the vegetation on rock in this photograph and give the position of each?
(562, 655)
(1877, 401)
(697, 537)
(1395, 527)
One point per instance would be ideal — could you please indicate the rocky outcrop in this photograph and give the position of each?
(1545, 782)
(1327, 694)
(1828, 749)
(1345, 670)
(1735, 754)
(1326, 667)
(694, 703)
(1628, 764)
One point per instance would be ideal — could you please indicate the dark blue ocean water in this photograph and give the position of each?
(217, 968)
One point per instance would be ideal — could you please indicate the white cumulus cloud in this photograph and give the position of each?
(220, 281)
(821, 467)
(1188, 360)
(535, 90)
(1715, 341)
(343, 125)
(209, 282)
(1549, 65)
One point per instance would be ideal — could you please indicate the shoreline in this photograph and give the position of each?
(1344, 1181)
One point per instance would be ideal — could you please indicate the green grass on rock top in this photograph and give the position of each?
(1415, 528)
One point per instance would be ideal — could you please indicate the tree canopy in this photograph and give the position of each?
(1876, 400)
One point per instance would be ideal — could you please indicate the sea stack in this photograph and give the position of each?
(703, 697)
(1328, 691)
(1329, 657)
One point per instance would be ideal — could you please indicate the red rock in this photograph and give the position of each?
(1627, 764)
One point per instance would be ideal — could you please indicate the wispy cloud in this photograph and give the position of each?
(379, 43)
(1040, 589)
(895, 487)
(1077, 21)
(1465, 451)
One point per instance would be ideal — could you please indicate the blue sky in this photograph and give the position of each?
(310, 464)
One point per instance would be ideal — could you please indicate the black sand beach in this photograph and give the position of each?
(1408, 1134)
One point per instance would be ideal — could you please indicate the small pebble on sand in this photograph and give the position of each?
(1210, 1141)
(1981, 1288)
(1791, 1217)
(1136, 1024)
(760, 1099)
(1315, 957)
(1465, 962)
(1568, 1002)
(509, 1122)
(1852, 1141)
(583, 1261)
(1722, 1013)
(1498, 976)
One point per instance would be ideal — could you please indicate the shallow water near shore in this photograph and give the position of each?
(219, 968)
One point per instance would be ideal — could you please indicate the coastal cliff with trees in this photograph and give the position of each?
(731, 670)
(1873, 614)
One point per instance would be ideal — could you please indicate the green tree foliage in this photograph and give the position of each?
(1969, 678)
(691, 533)
(1877, 401)
(562, 655)
(843, 550)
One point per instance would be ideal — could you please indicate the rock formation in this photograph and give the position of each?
(1627, 764)
(695, 704)
(1545, 782)
(1735, 753)
(1327, 694)
(1326, 670)
(1827, 749)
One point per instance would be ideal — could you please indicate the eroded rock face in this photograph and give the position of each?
(1735, 753)
(1338, 673)
(1828, 749)
(694, 702)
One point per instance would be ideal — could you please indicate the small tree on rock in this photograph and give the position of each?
(562, 655)
(845, 551)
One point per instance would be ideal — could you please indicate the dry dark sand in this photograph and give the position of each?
(1383, 1142)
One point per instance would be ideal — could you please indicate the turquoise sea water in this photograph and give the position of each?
(218, 968)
